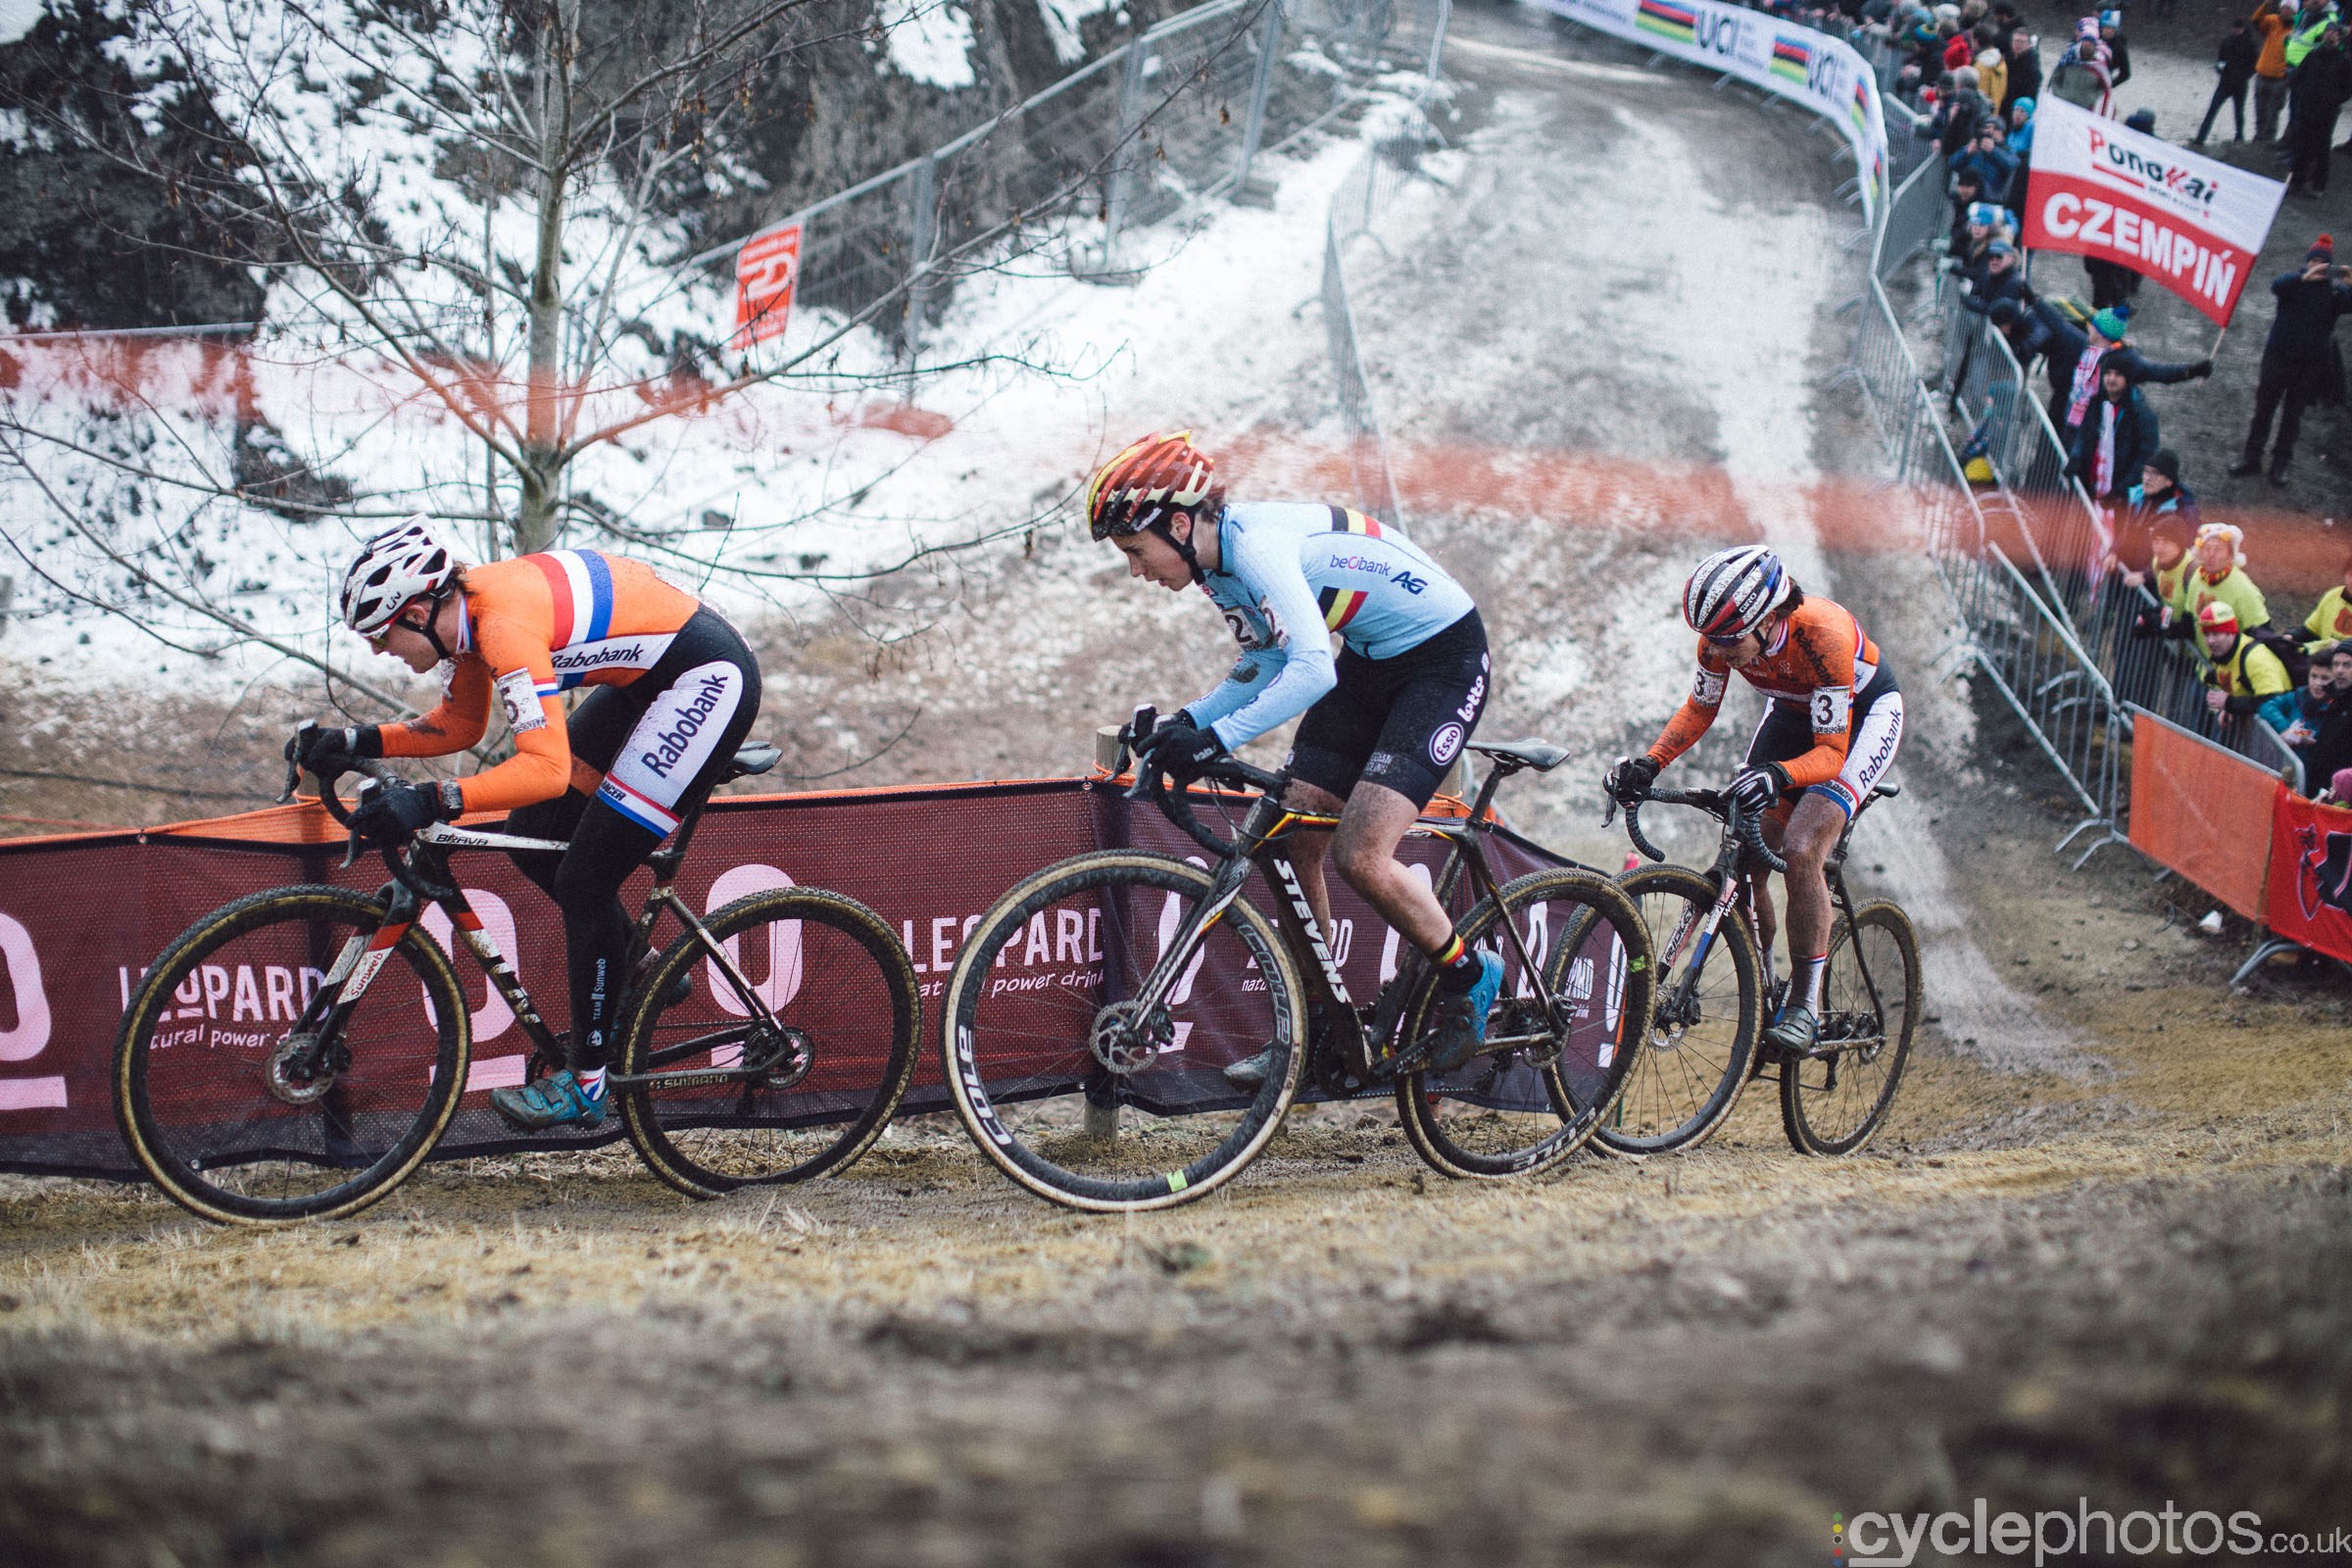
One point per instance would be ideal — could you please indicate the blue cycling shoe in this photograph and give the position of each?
(556, 1101)
(1461, 1020)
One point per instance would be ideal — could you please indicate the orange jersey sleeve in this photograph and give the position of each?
(1699, 709)
(533, 628)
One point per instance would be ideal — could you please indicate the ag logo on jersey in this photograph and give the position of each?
(1446, 744)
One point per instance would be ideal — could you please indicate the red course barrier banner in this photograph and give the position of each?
(82, 917)
(2311, 874)
(2203, 811)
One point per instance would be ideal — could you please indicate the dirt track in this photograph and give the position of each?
(2101, 1256)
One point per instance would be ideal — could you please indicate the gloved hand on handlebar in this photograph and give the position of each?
(316, 750)
(396, 809)
(1631, 777)
(1754, 789)
(1183, 751)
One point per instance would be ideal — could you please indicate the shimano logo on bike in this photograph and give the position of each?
(678, 737)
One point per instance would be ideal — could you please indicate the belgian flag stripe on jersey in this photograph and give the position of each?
(1340, 606)
(1347, 520)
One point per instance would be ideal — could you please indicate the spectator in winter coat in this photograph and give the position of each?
(1997, 278)
(2242, 674)
(2119, 53)
(1988, 153)
(1957, 111)
(1993, 76)
(2074, 358)
(2084, 74)
(2234, 68)
(2157, 522)
(2315, 722)
(2023, 78)
(2315, 93)
(2118, 437)
(2271, 21)
(2300, 362)
(2331, 620)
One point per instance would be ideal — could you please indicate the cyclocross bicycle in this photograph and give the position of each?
(1097, 1007)
(1716, 988)
(277, 1064)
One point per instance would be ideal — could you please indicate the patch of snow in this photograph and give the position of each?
(1063, 18)
(930, 43)
(18, 16)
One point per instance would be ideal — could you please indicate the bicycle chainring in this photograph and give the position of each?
(1126, 1039)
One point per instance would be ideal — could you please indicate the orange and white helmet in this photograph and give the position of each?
(1150, 481)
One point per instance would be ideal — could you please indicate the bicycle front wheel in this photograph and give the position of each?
(1870, 995)
(237, 1106)
(1560, 1067)
(1710, 1011)
(1075, 1090)
(790, 1073)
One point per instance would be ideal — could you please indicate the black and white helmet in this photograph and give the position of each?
(1734, 590)
(392, 568)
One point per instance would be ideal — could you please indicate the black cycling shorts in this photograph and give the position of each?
(1400, 722)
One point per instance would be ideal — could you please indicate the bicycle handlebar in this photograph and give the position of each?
(1152, 783)
(377, 771)
(1715, 803)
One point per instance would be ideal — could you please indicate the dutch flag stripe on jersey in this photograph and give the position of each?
(581, 587)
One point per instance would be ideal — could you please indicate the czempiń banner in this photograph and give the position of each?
(2097, 188)
(1825, 74)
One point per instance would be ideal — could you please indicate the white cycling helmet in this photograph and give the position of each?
(392, 568)
(1734, 590)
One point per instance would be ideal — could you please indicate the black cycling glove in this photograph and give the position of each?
(1755, 789)
(1631, 778)
(1183, 751)
(316, 749)
(395, 811)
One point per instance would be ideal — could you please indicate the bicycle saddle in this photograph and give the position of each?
(1541, 755)
(758, 756)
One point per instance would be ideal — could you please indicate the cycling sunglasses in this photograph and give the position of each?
(1733, 640)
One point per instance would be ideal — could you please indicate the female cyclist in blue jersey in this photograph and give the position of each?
(1383, 720)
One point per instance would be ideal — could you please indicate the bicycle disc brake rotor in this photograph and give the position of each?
(1125, 1038)
(296, 1074)
(781, 1055)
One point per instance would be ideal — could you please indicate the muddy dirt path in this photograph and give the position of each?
(2099, 1253)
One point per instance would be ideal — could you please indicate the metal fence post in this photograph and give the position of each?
(1123, 155)
(922, 237)
(1437, 38)
(1269, 44)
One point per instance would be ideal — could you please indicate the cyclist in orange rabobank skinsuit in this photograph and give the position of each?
(676, 691)
(1832, 724)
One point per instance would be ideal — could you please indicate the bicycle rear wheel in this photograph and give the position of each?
(1870, 995)
(1703, 1037)
(735, 1101)
(225, 1105)
(1085, 1100)
(1525, 1108)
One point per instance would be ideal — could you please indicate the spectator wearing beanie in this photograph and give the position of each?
(2300, 363)
(2082, 74)
(2272, 20)
(2233, 67)
(1997, 278)
(2242, 674)
(2331, 620)
(2118, 436)
(2118, 51)
(2159, 501)
(2074, 358)
(1988, 153)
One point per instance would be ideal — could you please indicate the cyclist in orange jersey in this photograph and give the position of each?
(1832, 724)
(675, 690)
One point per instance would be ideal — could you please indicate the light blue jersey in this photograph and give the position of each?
(1291, 574)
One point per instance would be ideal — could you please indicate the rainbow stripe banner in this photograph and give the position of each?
(1791, 61)
(1674, 23)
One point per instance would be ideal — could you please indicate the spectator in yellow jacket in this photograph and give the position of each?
(2243, 674)
(2330, 621)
